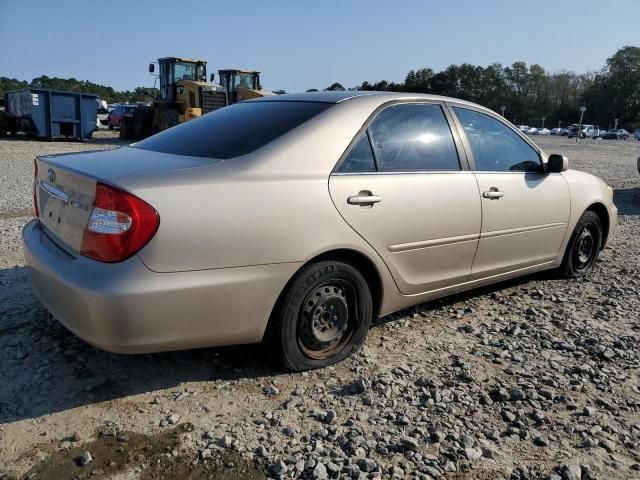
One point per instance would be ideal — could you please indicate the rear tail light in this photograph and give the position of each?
(119, 225)
(35, 188)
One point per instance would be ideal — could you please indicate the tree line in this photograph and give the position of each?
(529, 93)
(139, 94)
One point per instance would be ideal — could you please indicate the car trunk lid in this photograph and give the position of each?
(66, 185)
(64, 200)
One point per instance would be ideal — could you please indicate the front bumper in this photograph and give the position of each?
(127, 308)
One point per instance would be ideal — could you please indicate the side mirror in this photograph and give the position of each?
(152, 68)
(212, 77)
(557, 163)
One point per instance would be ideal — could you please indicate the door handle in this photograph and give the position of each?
(493, 194)
(364, 198)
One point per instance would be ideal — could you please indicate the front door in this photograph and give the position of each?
(525, 212)
(402, 188)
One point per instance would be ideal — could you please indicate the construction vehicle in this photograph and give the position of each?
(185, 94)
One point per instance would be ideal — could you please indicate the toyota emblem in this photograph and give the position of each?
(51, 175)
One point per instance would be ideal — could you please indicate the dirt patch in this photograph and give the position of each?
(132, 455)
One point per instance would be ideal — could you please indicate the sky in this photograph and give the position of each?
(303, 44)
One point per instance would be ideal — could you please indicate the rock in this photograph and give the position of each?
(361, 385)
(206, 453)
(367, 465)
(84, 459)
(517, 395)
(541, 440)
(227, 441)
(173, 418)
(467, 441)
(449, 466)
(508, 416)
(271, 390)
(330, 417)
(320, 472)
(473, 454)
(409, 443)
(110, 431)
(76, 437)
(607, 444)
(293, 402)
(571, 472)
(548, 393)
(589, 411)
(492, 435)
(278, 469)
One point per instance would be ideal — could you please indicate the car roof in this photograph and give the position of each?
(343, 96)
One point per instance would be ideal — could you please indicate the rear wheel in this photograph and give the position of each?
(169, 117)
(584, 246)
(322, 317)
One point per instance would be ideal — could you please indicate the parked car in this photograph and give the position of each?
(115, 115)
(103, 113)
(564, 132)
(532, 131)
(523, 128)
(591, 131)
(637, 134)
(544, 131)
(616, 134)
(215, 232)
(555, 131)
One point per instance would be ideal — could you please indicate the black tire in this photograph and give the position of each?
(142, 121)
(321, 318)
(584, 246)
(126, 128)
(169, 117)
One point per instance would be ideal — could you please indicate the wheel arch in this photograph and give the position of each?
(356, 259)
(603, 214)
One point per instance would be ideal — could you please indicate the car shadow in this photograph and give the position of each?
(627, 200)
(46, 369)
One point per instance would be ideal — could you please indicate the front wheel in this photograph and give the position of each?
(584, 246)
(169, 117)
(322, 317)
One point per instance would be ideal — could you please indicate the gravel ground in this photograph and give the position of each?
(533, 378)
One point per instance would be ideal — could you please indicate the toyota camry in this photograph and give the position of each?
(295, 220)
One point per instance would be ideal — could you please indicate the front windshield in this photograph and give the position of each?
(245, 80)
(190, 71)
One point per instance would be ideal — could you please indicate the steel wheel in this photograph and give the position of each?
(327, 318)
(321, 318)
(585, 250)
(584, 246)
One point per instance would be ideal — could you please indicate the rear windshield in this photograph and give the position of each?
(233, 131)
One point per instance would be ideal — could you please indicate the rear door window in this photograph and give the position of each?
(360, 158)
(235, 130)
(413, 137)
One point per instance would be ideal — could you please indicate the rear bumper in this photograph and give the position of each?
(127, 308)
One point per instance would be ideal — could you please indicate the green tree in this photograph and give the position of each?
(335, 87)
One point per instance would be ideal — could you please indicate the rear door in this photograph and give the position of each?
(525, 211)
(403, 186)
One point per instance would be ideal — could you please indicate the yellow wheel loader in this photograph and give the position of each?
(185, 94)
